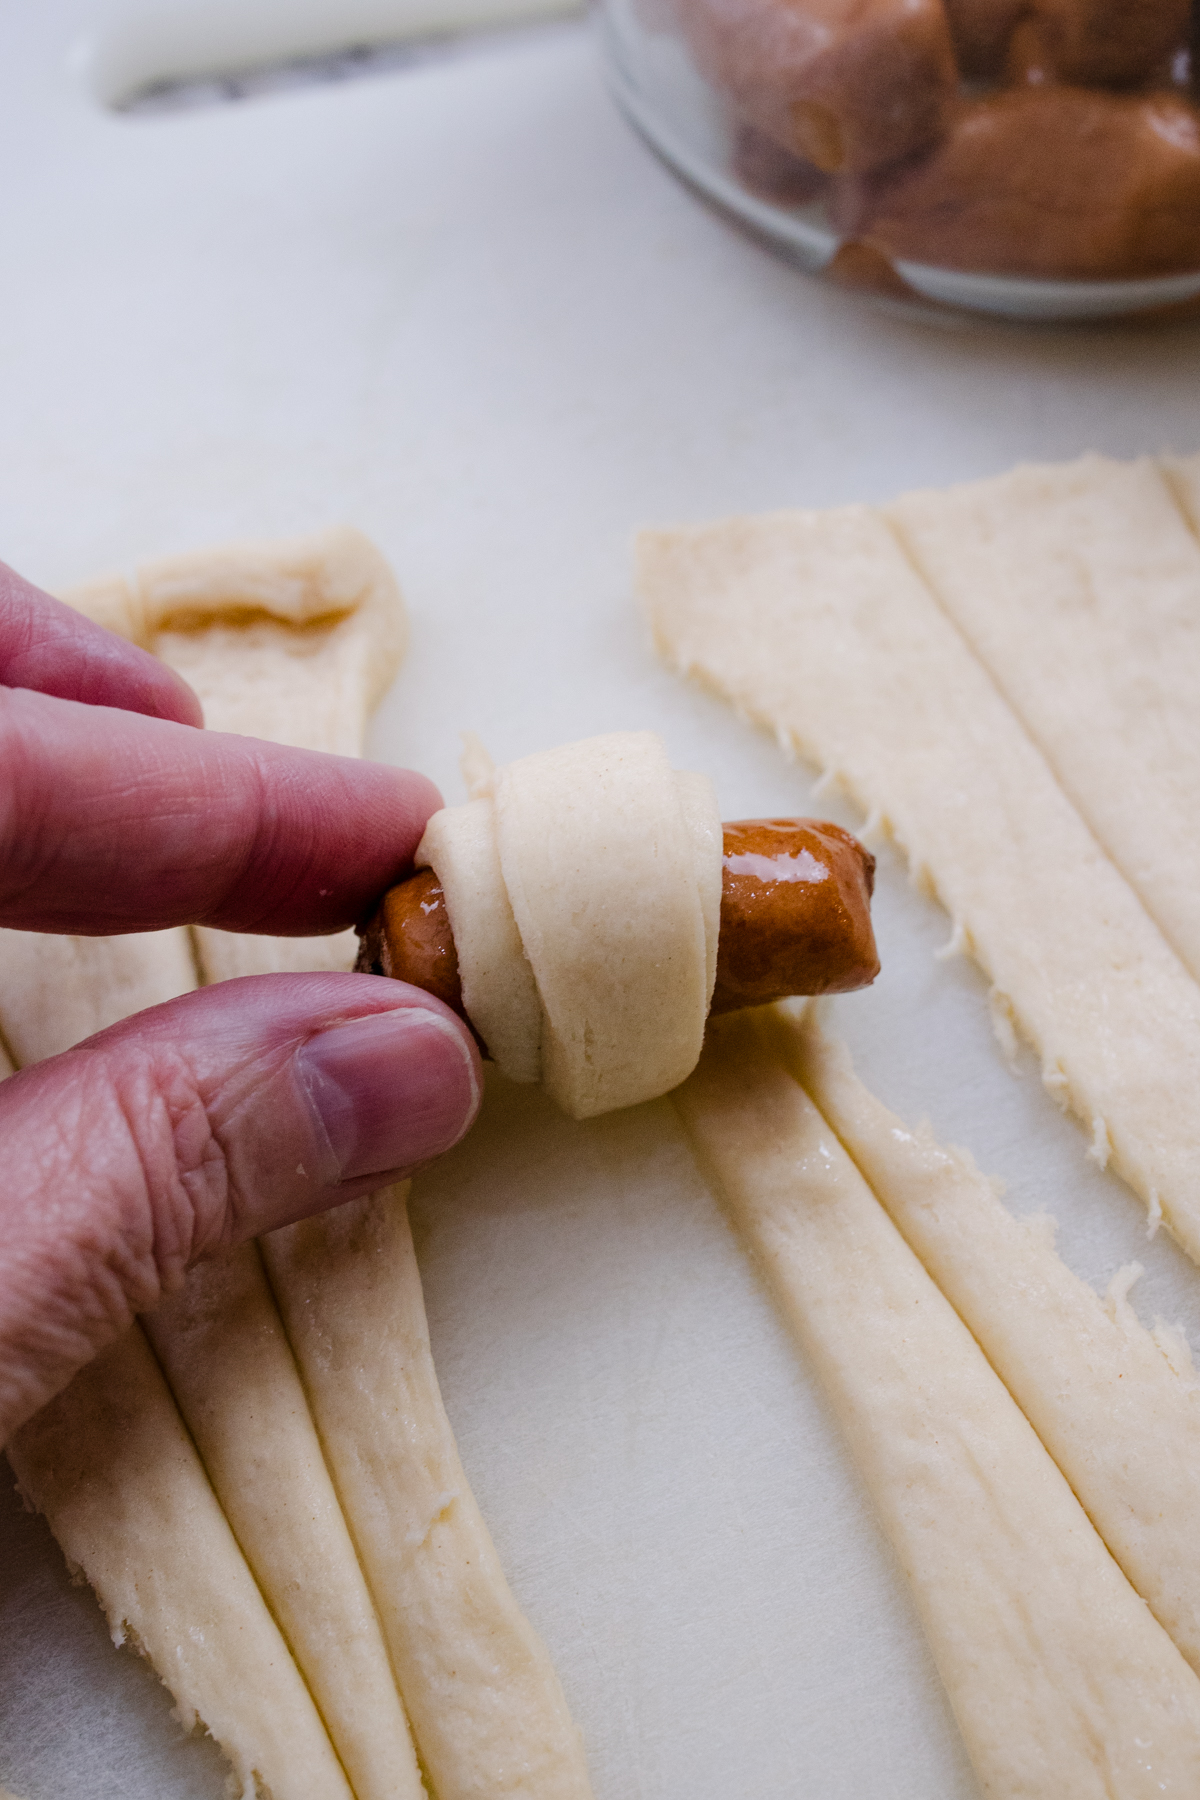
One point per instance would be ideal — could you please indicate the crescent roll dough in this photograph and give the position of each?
(550, 881)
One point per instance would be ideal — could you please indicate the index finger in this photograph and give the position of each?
(53, 649)
(112, 822)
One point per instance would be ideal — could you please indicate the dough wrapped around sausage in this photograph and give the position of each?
(549, 880)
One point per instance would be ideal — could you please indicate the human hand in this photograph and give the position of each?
(230, 1111)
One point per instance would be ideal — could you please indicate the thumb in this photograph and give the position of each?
(195, 1125)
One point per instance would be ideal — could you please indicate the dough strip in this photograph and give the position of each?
(486, 1706)
(816, 625)
(1078, 587)
(112, 1467)
(222, 1347)
(1060, 1679)
(1118, 1409)
(220, 1338)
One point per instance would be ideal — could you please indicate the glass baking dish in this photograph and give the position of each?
(1034, 159)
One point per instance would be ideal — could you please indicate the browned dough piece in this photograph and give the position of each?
(982, 31)
(1044, 181)
(766, 168)
(1107, 43)
(847, 85)
(1092, 42)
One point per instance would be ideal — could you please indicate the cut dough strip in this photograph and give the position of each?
(499, 992)
(1061, 1681)
(499, 1725)
(1078, 586)
(110, 1463)
(487, 1709)
(816, 625)
(221, 1339)
(222, 1346)
(1120, 1421)
(111, 1466)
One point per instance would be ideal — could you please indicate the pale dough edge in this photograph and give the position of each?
(299, 581)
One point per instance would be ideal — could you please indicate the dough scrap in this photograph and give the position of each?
(114, 1471)
(486, 1705)
(1113, 1412)
(593, 840)
(1078, 587)
(1060, 1679)
(816, 625)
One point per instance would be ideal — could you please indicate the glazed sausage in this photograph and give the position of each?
(795, 919)
(795, 913)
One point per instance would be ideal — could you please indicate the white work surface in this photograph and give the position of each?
(461, 306)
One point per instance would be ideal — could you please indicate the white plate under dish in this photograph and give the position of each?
(461, 307)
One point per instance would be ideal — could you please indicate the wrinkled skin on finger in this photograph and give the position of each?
(193, 1126)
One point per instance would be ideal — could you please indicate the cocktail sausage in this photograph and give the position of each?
(795, 919)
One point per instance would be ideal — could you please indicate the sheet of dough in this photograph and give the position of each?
(1061, 1681)
(487, 1709)
(816, 625)
(113, 1469)
(1078, 586)
(222, 1346)
(1118, 1411)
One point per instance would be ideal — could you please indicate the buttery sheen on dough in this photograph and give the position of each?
(584, 895)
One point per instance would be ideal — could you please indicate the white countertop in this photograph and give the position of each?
(463, 307)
